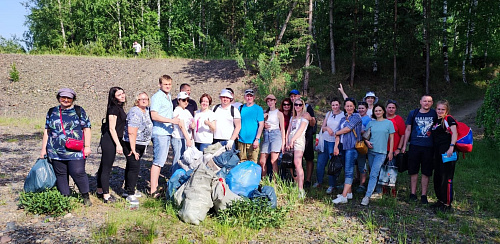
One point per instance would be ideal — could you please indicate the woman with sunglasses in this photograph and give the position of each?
(274, 135)
(286, 109)
(66, 161)
(296, 141)
(182, 134)
(137, 136)
(330, 125)
(382, 134)
(361, 160)
(111, 140)
(205, 122)
(347, 134)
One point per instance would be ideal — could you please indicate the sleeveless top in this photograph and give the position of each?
(273, 120)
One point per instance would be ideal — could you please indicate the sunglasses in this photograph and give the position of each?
(184, 100)
(298, 104)
(143, 99)
(391, 101)
(286, 104)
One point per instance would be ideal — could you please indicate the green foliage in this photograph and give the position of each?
(12, 45)
(255, 214)
(14, 73)
(488, 115)
(47, 202)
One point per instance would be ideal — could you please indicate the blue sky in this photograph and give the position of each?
(12, 17)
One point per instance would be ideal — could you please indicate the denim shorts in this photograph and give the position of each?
(272, 141)
(161, 145)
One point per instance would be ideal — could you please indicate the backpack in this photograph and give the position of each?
(464, 136)
(232, 109)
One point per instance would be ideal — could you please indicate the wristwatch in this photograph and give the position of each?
(452, 145)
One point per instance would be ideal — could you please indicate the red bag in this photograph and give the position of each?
(71, 143)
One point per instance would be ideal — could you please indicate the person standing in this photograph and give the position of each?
(183, 133)
(66, 161)
(137, 136)
(228, 124)
(311, 130)
(418, 133)
(370, 99)
(252, 124)
(444, 133)
(163, 120)
(234, 103)
(400, 129)
(286, 109)
(111, 140)
(205, 123)
(274, 136)
(192, 106)
(137, 48)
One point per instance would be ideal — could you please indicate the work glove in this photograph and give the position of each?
(229, 144)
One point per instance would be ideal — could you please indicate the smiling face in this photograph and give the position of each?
(143, 100)
(271, 102)
(298, 106)
(335, 107)
(225, 101)
(391, 109)
(362, 110)
(166, 85)
(426, 102)
(370, 100)
(183, 102)
(204, 103)
(349, 107)
(66, 101)
(120, 96)
(441, 110)
(249, 98)
(379, 112)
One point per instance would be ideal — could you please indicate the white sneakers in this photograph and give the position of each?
(339, 199)
(132, 199)
(329, 190)
(137, 194)
(316, 185)
(365, 201)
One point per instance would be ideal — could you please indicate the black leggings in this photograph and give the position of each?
(108, 148)
(133, 167)
(75, 168)
(443, 175)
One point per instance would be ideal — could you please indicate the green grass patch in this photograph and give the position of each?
(49, 202)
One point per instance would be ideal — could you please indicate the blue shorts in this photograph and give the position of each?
(272, 142)
(161, 145)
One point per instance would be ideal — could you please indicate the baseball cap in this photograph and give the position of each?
(182, 95)
(270, 96)
(294, 91)
(249, 91)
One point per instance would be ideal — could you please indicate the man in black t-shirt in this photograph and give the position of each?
(192, 105)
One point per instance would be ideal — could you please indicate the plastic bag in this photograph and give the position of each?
(335, 165)
(244, 178)
(192, 157)
(178, 178)
(266, 192)
(319, 143)
(40, 177)
(388, 174)
(222, 196)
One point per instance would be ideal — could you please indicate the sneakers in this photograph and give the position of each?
(302, 194)
(376, 196)
(339, 199)
(316, 185)
(413, 198)
(132, 199)
(330, 190)
(365, 201)
(110, 199)
(137, 194)
(423, 199)
(348, 196)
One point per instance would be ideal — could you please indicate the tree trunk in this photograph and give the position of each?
(308, 50)
(467, 45)
(332, 43)
(473, 28)
(375, 37)
(426, 5)
(62, 24)
(158, 5)
(119, 23)
(315, 39)
(487, 41)
(283, 28)
(394, 46)
(142, 22)
(355, 29)
(445, 42)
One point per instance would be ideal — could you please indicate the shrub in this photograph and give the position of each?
(14, 73)
(255, 214)
(49, 202)
(488, 115)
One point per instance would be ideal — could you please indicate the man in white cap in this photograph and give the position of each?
(252, 124)
(228, 120)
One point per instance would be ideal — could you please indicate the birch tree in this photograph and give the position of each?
(445, 41)
(332, 42)
(308, 49)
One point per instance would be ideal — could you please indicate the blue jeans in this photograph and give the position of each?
(361, 163)
(375, 160)
(323, 159)
(178, 146)
(351, 155)
(201, 146)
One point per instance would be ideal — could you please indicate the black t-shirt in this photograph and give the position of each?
(311, 130)
(121, 119)
(439, 133)
(192, 106)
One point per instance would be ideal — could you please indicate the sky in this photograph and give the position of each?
(12, 18)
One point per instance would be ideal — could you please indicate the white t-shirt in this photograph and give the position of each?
(137, 47)
(295, 124)
(272, 120)
(333, 123)
(202, 132)
(185, 115)
(225, 126)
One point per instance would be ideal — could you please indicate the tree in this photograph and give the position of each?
(308, 49)
(445, 40)
(332, 43)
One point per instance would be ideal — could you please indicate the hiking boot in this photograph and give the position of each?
(423, 199)
(330, 190)
(437, 205)
(365, 201)
(413, 198)
(339, 199)
(443, 208)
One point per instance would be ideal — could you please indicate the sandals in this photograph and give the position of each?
(157, 194)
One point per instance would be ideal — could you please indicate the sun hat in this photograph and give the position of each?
(294, 91)
(370, 94)
(249, 91)
(182, 95)
(66, 92)
(270, 96)
(226, 93)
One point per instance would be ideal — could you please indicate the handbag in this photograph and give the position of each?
(320, 143)
(367, 134)
(388, 174)
(402, 162)
(360, 145)
(71, 143)
(287, 160)
(335, 165)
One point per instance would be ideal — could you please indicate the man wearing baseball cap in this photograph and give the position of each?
(252, 124)
(311, 130)
(228, 120)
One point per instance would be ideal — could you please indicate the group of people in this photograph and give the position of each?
(260, 135)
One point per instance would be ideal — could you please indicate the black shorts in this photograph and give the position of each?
(309, 151)
(420, 158)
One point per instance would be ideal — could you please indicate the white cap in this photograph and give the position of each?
(226, 93)
(182, 95)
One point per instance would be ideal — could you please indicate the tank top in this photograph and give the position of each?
(332, 122)
(273, 120)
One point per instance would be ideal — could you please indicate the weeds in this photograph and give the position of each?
(255, 214)
(47, 202)
(14, 73)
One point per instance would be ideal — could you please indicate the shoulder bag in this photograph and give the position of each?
(360, 145)
(71, 143)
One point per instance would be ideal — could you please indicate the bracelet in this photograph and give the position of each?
(87, 146)
(398, 149)
(452, 145)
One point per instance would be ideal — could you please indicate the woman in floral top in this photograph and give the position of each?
(65, 161)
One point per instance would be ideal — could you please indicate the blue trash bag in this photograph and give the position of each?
(178, 178)
(228, 159)
(244, 178)
(266, 192)
(40, 177)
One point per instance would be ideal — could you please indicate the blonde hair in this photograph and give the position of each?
(136, 101)
(447, 111)
(294, 112)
